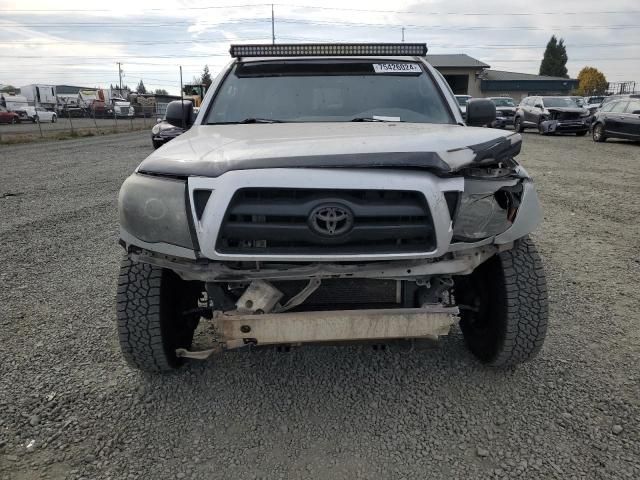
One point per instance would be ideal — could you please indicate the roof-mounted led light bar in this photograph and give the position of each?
(328, 49)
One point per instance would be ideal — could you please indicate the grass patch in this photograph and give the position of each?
(13, 138)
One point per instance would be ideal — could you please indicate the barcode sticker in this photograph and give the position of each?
(396, 68)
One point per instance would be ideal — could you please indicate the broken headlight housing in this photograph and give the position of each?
(154, 210)
(486, 208)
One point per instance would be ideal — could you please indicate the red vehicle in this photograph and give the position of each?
(8, 117)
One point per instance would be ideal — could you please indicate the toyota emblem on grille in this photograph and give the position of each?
(331, 220)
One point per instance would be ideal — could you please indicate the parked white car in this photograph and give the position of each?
(43, 115)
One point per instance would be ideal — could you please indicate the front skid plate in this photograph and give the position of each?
(341, 325)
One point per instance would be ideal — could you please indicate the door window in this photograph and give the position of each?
(633, 106)
(607, 107)
(619, 107)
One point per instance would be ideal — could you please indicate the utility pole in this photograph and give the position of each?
(184, 126)
(273, 27)
(120, 76)
(402, 34)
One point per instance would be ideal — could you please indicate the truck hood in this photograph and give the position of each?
(212, 150)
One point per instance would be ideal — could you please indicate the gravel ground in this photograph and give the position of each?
(70, 408)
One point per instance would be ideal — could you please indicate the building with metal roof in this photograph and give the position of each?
(495, 83)
(469, 76)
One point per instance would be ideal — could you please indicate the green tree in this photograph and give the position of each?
(8, 88)
(206, 76)
(160, 91)
(141, 88)
(591, 82)
(554, 62)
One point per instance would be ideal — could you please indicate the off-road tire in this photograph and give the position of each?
(156, 144)
(150, 303)
(598, 133)
(517, 125)
(54, 118)
(504, 307)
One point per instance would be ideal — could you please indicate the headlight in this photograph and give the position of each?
(154, 210)
(156, 129)
(483, 214)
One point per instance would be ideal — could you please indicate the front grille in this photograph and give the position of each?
(567, 116)
(124, 110)
(277, 221)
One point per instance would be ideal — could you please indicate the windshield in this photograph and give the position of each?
(339, 91)
(462, 100)
(559, 102)
(503, 102)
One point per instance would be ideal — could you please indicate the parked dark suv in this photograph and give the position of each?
(551, 115)
(617, 119)
(505, 111)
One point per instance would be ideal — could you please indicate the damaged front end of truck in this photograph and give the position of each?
(351, 203)
(323, 263)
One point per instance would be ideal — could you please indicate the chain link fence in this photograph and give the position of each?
(69, 125)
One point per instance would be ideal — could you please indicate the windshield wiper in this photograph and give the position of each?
(367, 119)
(248, 120)
(373, 119)
(259, 120)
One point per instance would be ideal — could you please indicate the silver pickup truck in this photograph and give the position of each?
(329, 193)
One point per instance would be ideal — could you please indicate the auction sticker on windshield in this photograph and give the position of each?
(396, 68)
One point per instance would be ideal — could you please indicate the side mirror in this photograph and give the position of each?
(180, 113)
(480, 111)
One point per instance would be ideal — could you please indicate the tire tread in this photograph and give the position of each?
(138, 306)
(525, 304)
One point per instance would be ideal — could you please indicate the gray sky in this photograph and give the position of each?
(79, 42)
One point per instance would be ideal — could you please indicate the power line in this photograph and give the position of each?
(92, 10)
(138, 24)
(449, 27)
(105, 62)
(343, 9)
(469, 14)
(505, 46)
(201, 55)
(131, 42)
(323, 23)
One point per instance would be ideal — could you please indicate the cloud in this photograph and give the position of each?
(81, 45)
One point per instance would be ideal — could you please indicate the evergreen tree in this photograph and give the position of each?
(206, 76)
(161, 91)
(554, 62)
(141, 88)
